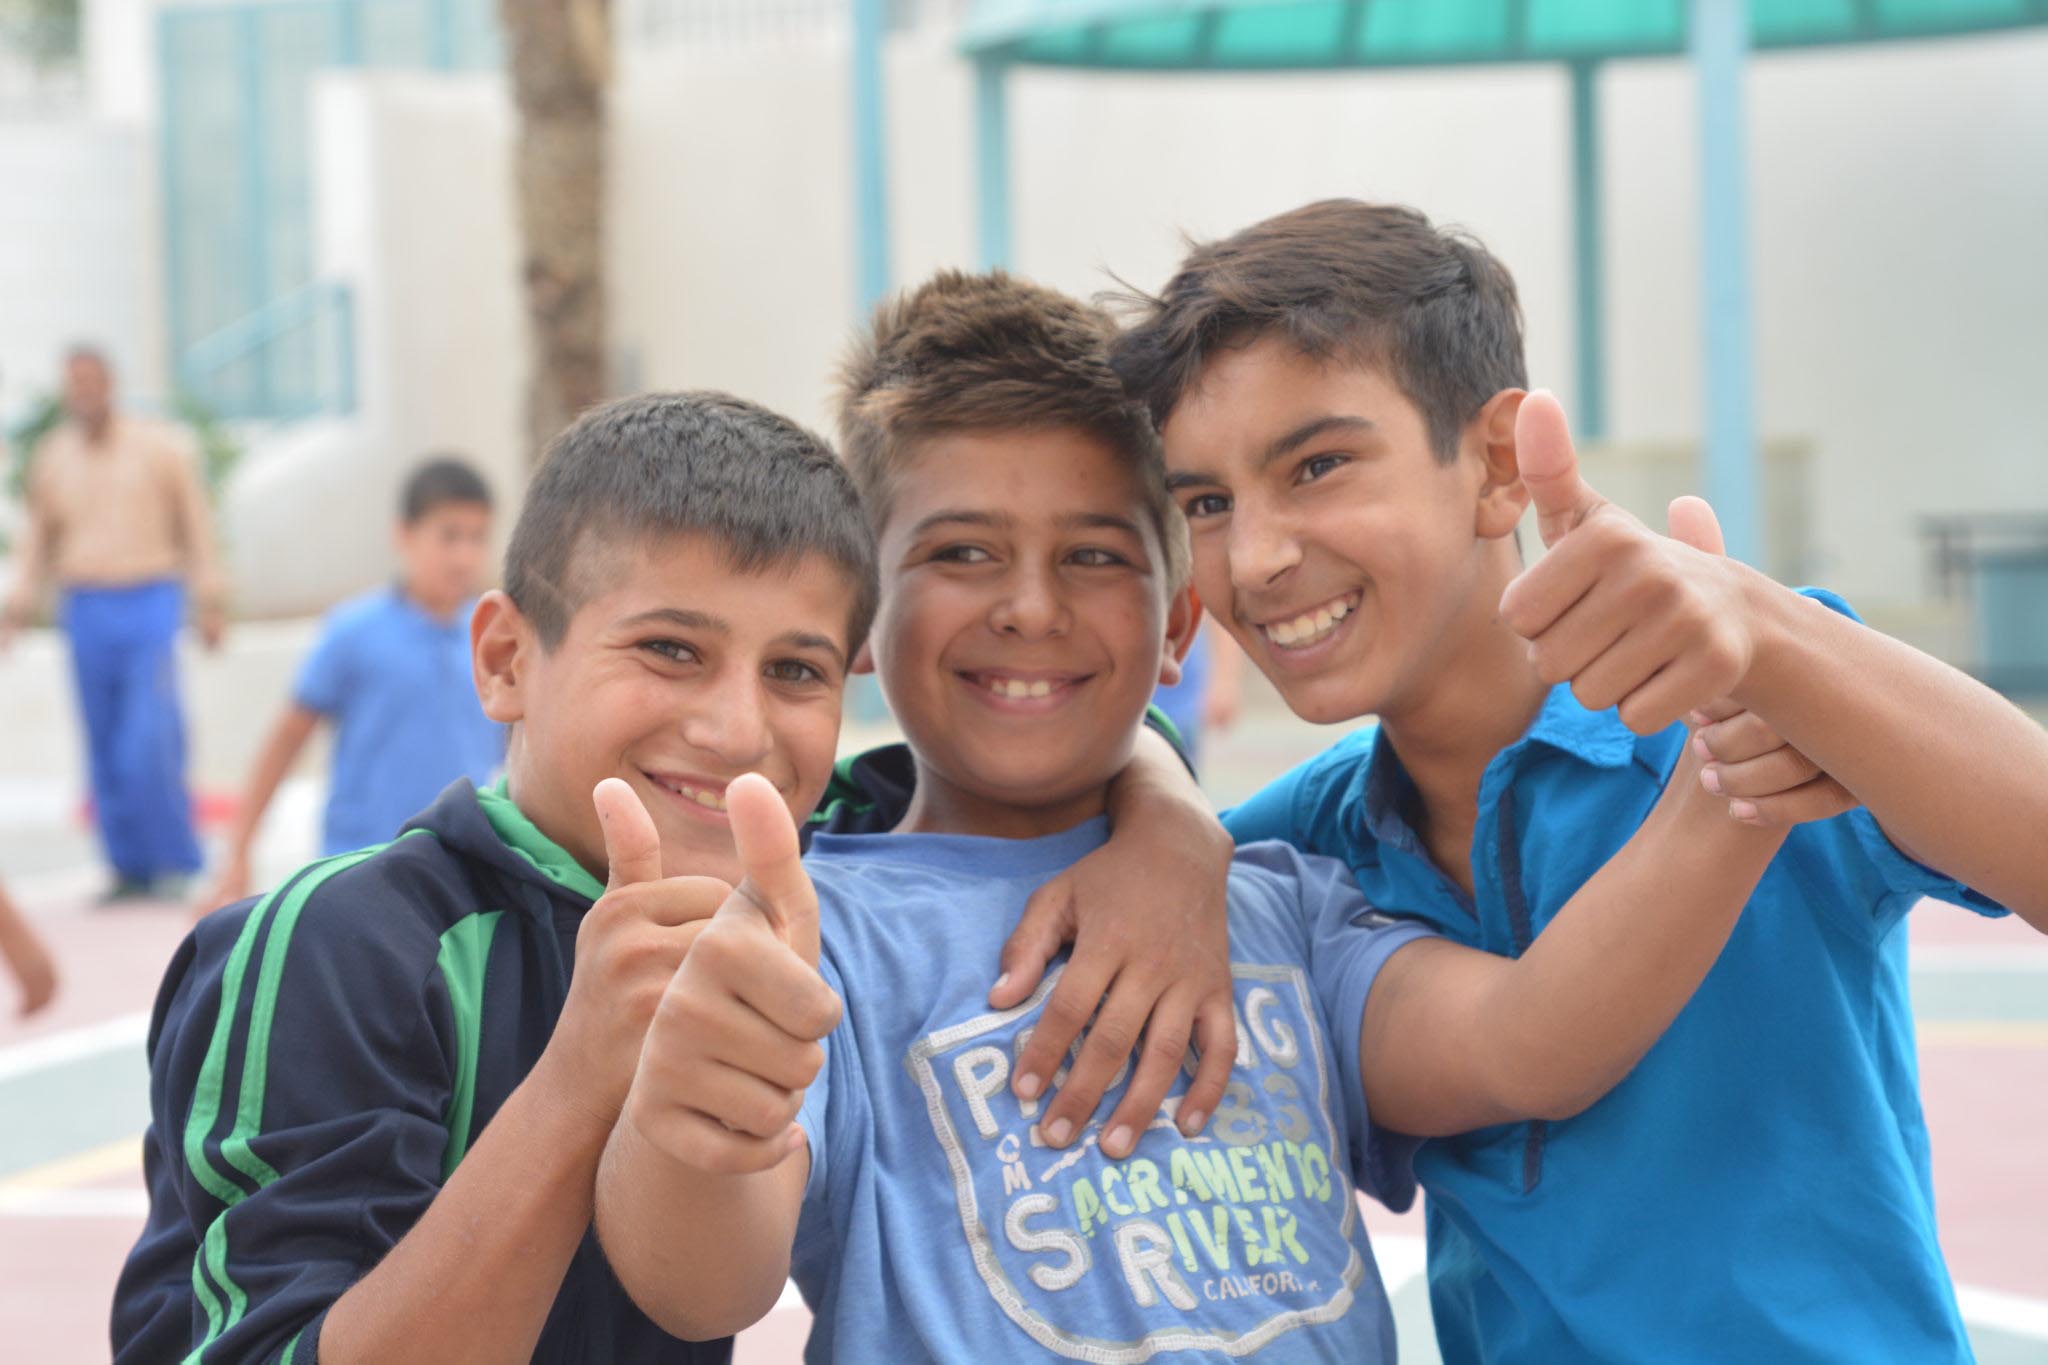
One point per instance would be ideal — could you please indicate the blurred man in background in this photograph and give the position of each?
(117, 519)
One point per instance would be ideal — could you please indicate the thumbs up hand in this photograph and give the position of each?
(627, 950)
(1655, 625)
(735, 1040)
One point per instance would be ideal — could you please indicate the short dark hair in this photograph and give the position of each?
(438, 481)
(992, 352)
(764, 489)
(1372, 283)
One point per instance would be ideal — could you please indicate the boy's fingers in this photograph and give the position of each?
(632, 847)
(1215, 1054)
(1781, 770)
(1160, 1058)
(1739, 738)
(764, 835)
(1821, 799)
(1105, 1055)
(1714, 712)
(1044, 928)
(683, 900)
(1550, 467)
(1692, 521)
(703, 1142)
(1067, 1011)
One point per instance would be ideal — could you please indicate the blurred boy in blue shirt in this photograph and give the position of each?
(391, 672)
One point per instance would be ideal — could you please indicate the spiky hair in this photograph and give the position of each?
(992, 352)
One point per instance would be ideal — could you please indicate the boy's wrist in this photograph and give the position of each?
(1774, 617)
(564, 1078)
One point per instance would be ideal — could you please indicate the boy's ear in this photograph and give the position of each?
(502, 646)
(1503, 497)
(1183, 616)
(863, 659)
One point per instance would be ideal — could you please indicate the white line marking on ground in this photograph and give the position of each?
(1970, 957)
(40, 1054)
(2015, 1313)
(74, 1204)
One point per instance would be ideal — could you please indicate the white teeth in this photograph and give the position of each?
(1310, 625)
(1017, 687)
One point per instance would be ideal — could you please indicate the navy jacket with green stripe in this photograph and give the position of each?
(319, 1061)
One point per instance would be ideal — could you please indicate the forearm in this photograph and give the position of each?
(1956, 774)
(1154, 796)
(722, 1268)
(475, 1278)
(1622, 957)
(279, 752)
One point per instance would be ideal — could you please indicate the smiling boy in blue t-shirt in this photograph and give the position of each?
(1032, 597)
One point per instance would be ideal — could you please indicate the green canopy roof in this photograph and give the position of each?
(1265, 35)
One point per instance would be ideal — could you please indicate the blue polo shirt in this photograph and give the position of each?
(396, 684)
(1758, 1188)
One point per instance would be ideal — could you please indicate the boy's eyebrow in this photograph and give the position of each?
(677, 616)
(1104, 521)
(698, 620)
(1282, 447)
(1309, 430)
(805, 639)
(965, 516)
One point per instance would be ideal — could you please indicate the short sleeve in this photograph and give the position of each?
(298, 1082)
(1349, 942)
(832, 1117)
(323, 677)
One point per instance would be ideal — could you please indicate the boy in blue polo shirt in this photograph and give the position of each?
(391, 672)
(1032, 566)
(1340, 391)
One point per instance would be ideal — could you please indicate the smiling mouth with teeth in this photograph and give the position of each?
(1017, 689)
(1313, 626)
(703, 796)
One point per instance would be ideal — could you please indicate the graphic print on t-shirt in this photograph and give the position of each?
(1220, 1243)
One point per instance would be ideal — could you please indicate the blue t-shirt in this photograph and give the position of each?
(1758, 1188)
(397, 685)
(938, 1227)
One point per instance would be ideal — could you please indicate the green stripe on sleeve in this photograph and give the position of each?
(211, 1085)
(465, 952)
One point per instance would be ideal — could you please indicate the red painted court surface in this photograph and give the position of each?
(73, 1102)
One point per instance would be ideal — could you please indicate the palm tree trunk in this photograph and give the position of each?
(558, 53)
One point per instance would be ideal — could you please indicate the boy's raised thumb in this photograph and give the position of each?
(1549, 467)
(1692, 520)
(632, 846)
(764, 836)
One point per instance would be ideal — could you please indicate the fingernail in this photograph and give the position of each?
(1699, 747)
(1118, 1142)
(1742, 810)
(1001, 982)
(1191, 1122)
(1028, 1086)
(1711, 780)
(1060, 1131)
(1700, 719)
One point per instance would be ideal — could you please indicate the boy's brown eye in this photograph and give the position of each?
(795, 671)
(1206, 505)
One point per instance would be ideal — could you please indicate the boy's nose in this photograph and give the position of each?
(1262, 548)
(731, 725)
(1030, 607)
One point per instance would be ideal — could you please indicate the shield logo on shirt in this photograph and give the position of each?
(1220, 1243)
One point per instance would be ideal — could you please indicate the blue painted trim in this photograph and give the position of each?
(1720, 46)
(1589, 416)
(992, 162)
(870, 164)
